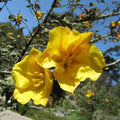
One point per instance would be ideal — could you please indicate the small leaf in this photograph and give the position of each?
(92, 4)
(22, 109)
(27, 5)
(11, 17)
(10, 46)
(4, 50)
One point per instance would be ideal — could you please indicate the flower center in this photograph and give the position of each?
(38, 82)
(38, 79)
(67, 60)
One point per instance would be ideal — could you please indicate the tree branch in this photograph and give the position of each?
(49, 11)
(39, 28)
(99, 38)
(108, 15)
(112, 64)
(97, 17)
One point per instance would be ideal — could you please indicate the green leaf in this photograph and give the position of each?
(92, 4)
(10, 46)
(22, 109)
(27, 5)
(11, 17)
(4, 50)
(14, 53)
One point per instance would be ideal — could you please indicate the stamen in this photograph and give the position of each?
(35, 73)
(41, 76)
(39, 84)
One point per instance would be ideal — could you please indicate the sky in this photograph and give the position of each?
(19, 6)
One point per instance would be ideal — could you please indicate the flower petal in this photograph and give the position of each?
(22, 96)
(39, 95)
(93, 68)
(31, 80)
(72, 56)
(44, 59)
(60, 38)
(85, 72)
(66, 78)
(22, 69)
(96, 59)
(42, 96)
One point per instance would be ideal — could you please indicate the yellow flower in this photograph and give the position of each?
(118, 23)
(19, 15)
(93, 94)
(112, 24)
(72, 56)
(38, 14)
(53, 24)
(65, 106)
(89, 93)
(18, 36)
(19, 18)
(31, 80)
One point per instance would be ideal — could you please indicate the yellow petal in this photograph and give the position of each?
(21, 80)
(66, 78)
(89, 93)
(93, 68)
(44, 59)
(42, 96)
(31, 80)
(19, 15)
(39, 95)
(96, 59)
(81, 53)
(23, 96)
(27, 65)
(85, 72)
(38, 15)
(72, 56)
(63, 40)
(60, 38)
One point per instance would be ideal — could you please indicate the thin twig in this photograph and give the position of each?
(39, 28)
(97, 17)
(3, 5)
(99, 38)
(46, 17)
(6, 72)
(77, 21)
(112, 64)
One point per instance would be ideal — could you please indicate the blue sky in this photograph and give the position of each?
(19, 6)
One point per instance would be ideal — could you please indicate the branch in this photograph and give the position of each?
(99, 38)
(108, 15)
(39, 28)
(49, 11)
(6, 72)
(75, 21)
(3, 6)
(112, 64)
(97, 17)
